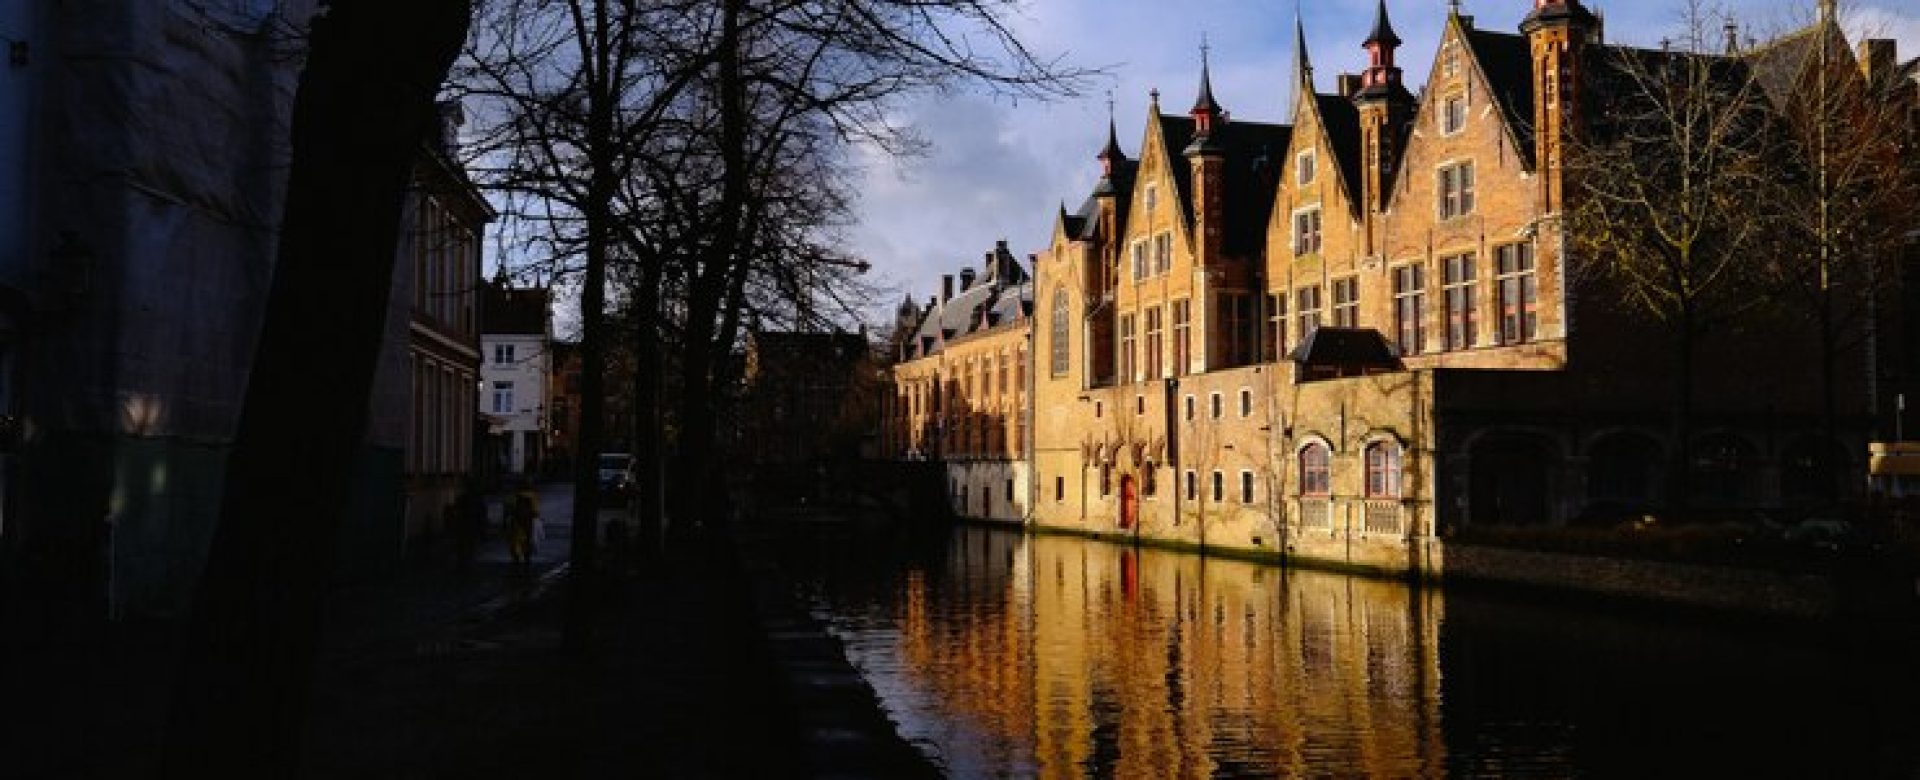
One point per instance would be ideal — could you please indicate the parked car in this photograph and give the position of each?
(616, 474)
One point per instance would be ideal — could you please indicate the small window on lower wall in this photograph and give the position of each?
(1009, 492)
(1106, 481)
(1149, 483)
(1246, 487)
(1219, 487)
(1193, 487)
(1059, 488)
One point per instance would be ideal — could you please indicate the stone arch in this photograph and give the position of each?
(1511, 477)
(1723, 469)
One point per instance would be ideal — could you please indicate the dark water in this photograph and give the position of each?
(1010, 656)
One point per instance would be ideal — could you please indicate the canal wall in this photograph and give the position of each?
(1726, 588)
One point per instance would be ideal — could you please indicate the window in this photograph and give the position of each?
(1193, 487)
(1453, 116)
(1139, 251)
(1009, 492)
(1346, 303)
(1152, 198)
(1303, 167)
(1059, 332)
(1315, 470)
(1059, 489)
(1246, 487)
(1126, 349)
(1383, 470)
(1236, 327)
(1182, 337)
(1005, 386)
(1098, 407)
(1410, 307)
(1214, 404)
(1308, 310)
(1162, 253)
(1149, 481)
(1106, 480)
(1219, 487)
(503, 353)
(1276, 346)
(1456, 190)
(1189, 407)
(1154, 343)
(1519, 314)
(1450, 62)
(1457, 275)
(503, 398)
(1020, 370)
(1306, 231)
(1246, 403)
(1140, 405)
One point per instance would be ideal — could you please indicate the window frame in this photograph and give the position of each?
(1249, 487)
(1459, 282)
(1305, 166)
(1315, 465)
(1410, 307)
(1384, 462)
(1346, 312)
(1519, 322)
(1308, 231)
(1454, 189)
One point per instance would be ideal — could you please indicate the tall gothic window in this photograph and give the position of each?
(1410, 307)
(1059, 333)
(1519, 293)
(1457, 279)
(1182, 336)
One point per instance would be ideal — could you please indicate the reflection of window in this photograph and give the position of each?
(1149, 482)
(1519, 291)
(1106, 481)
(1383, 470)
(1315, 470)
(1719, 471)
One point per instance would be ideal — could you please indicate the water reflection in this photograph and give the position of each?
(1054, 657)
(1008, 656)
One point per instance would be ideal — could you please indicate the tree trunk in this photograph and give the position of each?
(243, 689)
(648, 430)
(1681, 488)
(602, 184)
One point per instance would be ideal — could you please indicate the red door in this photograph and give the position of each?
(1129, 504)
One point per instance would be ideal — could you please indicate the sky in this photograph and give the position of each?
(1000, 169)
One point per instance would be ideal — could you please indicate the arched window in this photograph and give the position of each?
(1383, 470)
(1316, 470)
(1059, 332)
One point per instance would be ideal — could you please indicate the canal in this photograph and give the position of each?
(1004, 655)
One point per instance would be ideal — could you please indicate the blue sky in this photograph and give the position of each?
(999, 170)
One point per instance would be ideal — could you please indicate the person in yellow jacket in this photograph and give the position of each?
(523, 513)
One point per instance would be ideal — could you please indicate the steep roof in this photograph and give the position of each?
(513, 311)
(1507, 62)
(1340, 120)
(1252, 151)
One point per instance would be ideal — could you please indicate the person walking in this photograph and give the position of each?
(523, 511)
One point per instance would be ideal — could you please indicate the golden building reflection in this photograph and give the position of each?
(1057, 657)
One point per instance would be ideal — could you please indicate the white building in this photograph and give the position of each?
(514, 336)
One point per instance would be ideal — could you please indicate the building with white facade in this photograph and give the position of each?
(515, 335)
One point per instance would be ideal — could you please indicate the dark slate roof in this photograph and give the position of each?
(1382, 28)
(1341, 121)
(1249, 200)
(508, 310)
(1327, 346)
(1507, 61)
(1779, 65)
(1002, 293)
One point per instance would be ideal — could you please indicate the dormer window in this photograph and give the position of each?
(1303, 166)
(1453, 115)
(1450, 61)
(1456, 190)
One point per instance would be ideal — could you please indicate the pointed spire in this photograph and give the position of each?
(1382, 29)
(1112, 154)
(1205, 102)
(1829, 10)
(1302, 62)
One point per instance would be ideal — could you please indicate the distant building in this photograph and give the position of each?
(959, 389)
(809, 397)
(446, 217)
(563, 406)
(515, 334)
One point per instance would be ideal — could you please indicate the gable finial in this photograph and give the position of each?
(1302, 61)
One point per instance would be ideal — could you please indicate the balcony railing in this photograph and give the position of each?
(1384, 516)
(1316, 514)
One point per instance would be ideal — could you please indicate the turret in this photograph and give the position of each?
(1208, 155)
(1384, 107)
(1556, 31)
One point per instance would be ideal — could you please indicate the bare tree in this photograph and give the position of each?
(1670, 182)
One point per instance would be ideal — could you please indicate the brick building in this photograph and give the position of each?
(1350, 335)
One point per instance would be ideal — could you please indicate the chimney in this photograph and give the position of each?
(966, 278)
(1349, 84)
(932, 301)
(1878, 56)
(946, 287)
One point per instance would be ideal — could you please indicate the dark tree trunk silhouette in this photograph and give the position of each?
(364, 106)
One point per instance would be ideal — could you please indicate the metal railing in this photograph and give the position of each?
(1384, 516)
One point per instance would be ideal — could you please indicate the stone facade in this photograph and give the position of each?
(1346, 337)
